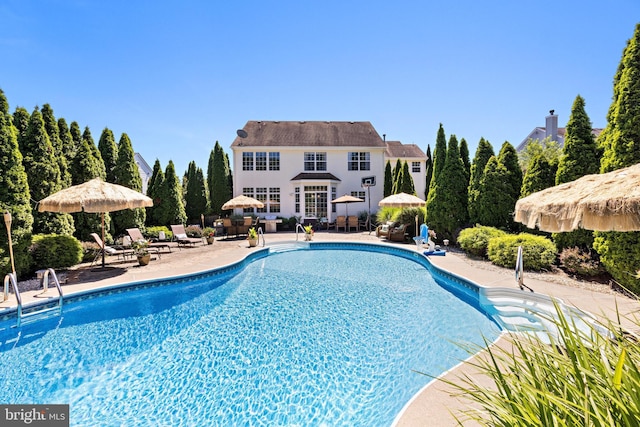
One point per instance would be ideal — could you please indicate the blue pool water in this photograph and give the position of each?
(311, 337)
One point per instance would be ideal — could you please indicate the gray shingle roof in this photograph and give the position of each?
(315, 176)
(309, 134)
(398, 149)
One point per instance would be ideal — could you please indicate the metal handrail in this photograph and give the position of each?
(260, 233)
(10, 278)
(298, 225)
(45, 284)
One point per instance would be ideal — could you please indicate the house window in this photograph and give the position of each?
(359, 161)
(261, 195)
(261, 161)
(248, 191)
(315, 201)
(297, 199)
(274, 162)
(315, 161)
(334, 195)
(274, 199)
(415, 166)
(247, 161)
(360, 195)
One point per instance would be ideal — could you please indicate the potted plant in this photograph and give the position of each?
(209, 233)
(252, 237)
(308, 232)
(141, 249)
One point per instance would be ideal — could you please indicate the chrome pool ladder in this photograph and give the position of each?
(36, 313)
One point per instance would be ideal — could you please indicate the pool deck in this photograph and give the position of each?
(434, 405)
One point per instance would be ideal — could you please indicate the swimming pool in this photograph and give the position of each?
(307, 337)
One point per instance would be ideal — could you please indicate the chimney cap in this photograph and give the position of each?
(551, 112)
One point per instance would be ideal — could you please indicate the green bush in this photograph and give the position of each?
(153, 232)
(476, 240)
(193, 231)
(55, 251)
(620, 254)
(538, 252)
(579, 262)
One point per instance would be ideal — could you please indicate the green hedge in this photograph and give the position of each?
(55, 251)
(476, 240)
(152, 232)
(539, 253)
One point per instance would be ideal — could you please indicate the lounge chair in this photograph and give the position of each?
(108, 250)
(180, 236)
(136, 235)
(341, 222)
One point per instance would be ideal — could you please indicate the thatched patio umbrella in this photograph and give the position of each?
(602, 202)
(95, 196)
(403, 200)
(242, 202)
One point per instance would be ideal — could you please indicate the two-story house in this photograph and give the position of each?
(551, 131)
(297, 167)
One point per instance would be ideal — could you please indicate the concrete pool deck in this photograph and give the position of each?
(434, 405)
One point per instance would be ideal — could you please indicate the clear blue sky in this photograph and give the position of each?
(178, 76)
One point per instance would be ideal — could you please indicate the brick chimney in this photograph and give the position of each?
(551, 128)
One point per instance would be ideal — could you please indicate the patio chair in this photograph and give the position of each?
(180, 236)
(352, 222)
(136, 235)
(399, 234)
(246, 225)
(341, 222)
(383, 230)
(108, 250)
(229, 227)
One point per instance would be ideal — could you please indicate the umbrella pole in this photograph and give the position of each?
(103, 243)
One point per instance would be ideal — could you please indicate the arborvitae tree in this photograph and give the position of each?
(620, 140)
(229, 172)
(218, 176)
(483, 153)
(68, 147)
(534, 147)
(440, 152)
(494, 203)
(109, 154)
(580, 157)
(153, 190)
(447, 206)
(170, 210)
(21, 122)
(464, 155)
(196, 194)
(388, 180)
(84, 168)
(540, 175)
(76, 137)
(407, 185)
(51, 126)
(43, 175)
(14, 197)
(428, 172)
(127, 174)
(86, 135)
(397, 177)
(509, 158)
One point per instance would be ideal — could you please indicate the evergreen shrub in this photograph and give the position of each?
(579, 262)
(153, 232)
(55, 251)
(538, 252)
(475, 240)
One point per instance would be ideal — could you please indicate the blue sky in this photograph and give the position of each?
(179, 76)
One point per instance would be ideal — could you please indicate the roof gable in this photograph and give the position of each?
(397, 149)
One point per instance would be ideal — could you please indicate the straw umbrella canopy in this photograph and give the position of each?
(242, 202)
(346, 199)
(94, 196)
(602, 202)
(403, 200)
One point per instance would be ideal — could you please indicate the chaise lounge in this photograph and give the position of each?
(180, 236)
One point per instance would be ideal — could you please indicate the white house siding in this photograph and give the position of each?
(292, 164)
(419, 177)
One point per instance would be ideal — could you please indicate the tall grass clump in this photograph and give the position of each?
(573, 379)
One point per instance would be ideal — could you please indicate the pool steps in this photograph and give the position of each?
(41, 311)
